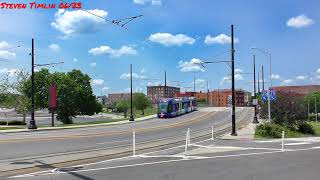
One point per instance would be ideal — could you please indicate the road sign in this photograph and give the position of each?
(254, 102)
(273, 96)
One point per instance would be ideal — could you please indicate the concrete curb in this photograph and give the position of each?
(80, 126)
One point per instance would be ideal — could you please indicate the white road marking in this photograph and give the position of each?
(113, 142)
(300, 143)
(168, 161)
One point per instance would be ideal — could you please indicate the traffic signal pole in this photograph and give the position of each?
(131, 114)
(233, 133)
(32, 124)
(255, 119)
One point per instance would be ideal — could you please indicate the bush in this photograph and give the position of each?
(305, 128)
(15, 122)
(2, 123)
(269, 130)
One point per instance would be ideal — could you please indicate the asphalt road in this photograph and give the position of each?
(29, 147)
(244, 160)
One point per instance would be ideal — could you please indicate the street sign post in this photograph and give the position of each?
(52, 100)
(273, 95)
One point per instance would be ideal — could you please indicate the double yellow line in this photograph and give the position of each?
(177, 124)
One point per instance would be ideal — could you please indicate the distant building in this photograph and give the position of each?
(102, 99)
(112, 98)
(298, 90)
(154, 93)
(201, 96)
(185, 94)
(223, 97)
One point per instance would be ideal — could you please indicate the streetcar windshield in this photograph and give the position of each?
(163, 107)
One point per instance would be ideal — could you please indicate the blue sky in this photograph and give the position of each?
(170, 36)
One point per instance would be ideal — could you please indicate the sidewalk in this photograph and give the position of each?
(245, 132)
(80, 126)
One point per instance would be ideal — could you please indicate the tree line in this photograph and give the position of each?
(74, 93)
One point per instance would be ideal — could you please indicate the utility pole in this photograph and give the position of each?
(194, 83)
(32, 124)
(315, 108)
(308, 110)
(165, 84)
(131, 114)
(258, 82)
(208, 92)
(255, 119)
(262, 79)
(233, 133)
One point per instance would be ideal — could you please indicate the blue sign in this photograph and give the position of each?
(273, 96)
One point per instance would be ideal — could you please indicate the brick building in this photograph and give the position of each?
(154, 93)
(298, 90)
(223, 97)
(112, 98)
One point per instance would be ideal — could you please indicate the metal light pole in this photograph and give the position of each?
(255, 119)
(270, 78)
(233, 133)
(131, 114)
(32, 124)
(315, 108)
(308, 110)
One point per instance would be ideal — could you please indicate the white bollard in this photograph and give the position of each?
(189, 137)
(134, 143)
(212, 133)
(187, 143)
(282, 145)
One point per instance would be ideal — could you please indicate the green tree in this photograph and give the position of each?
(74, 93)
(140, 102)
(42, 81)
(312, 98)
(66, 99)
(288, 110)
(123, 106)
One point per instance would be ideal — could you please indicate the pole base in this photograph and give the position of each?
(131, 118)
(255, 120)
(32, 124)
(234, 134)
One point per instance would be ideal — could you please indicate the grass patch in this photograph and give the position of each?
(316, 127)
(10, 128)
(85, 123)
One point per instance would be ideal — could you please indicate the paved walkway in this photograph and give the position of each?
(246, 132)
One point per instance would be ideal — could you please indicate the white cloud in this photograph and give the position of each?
(275, 76)
(237, 71)
(4, 54)
(237, 77)
(153, 2)
(200, 83)
(168, 39)
(104, 89)
(4, 45)
(287, 82)
(219, 39)
(142, 70)
(75, 60)
(154, 83)
(300, 21)
(124, 50)
(93, 64)
(97, 81)
(156, 2)
(55, 47)
(126, 76)
(78, 21)
(301, 77)
(191, 66)
(318, 70)
(10, 72)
